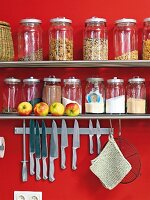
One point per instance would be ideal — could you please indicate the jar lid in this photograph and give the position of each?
(71, 80)
(52, 79)
(31, 80)
(125, 20)
(115, 80)
(95, 19)
(136, 79)
(11, 80)
(147, 19)
(61, 19)
(32, 20)
(95, 79)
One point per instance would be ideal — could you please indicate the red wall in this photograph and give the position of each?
(80, 184)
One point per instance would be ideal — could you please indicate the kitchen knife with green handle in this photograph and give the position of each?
(37, 151)
(32, 146)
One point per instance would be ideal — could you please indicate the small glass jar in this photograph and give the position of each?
(72, 92)
(125, 40)
(60, 39)
(146, 39)
(95, 95)
(95, 42)
(115, 96)
(136, 95)
(52, 90)
(11, 95)
(30, 40)
(32, 90)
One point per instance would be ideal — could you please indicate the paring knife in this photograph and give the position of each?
(37, 151)
(53, 150)
(76, 144)
(98, 135)
(32, 147)
(64, 143)
(44, 150)
(91, 136)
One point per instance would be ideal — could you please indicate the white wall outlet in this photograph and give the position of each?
(27, 195)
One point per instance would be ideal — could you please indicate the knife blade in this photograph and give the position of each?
(98, 135)
(53, 150)
(37, 151)
(32, 147)
(91, 136)
(64, 143)
(76, 144)
(44, 150)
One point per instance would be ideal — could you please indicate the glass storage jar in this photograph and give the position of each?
(32, 90)
(60, 39)
(52, 90)
(146, 39)
(125, 40)
(72, 92)
(11, 95)
(136, 95)
(95, 42)
(115, 96)
(30, 40)
(95, 95)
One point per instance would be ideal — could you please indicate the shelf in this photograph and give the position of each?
(76, 64)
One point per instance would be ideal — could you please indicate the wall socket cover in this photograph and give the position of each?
(27, 195)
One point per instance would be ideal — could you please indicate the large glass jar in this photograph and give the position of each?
(146, 39)
(52, 90)
(32, 90)
(11, 95)
(72, 92)
(136, 95)
(95, 42)
(95, 95)
(60, 39)
(115, 96)
(125, 40)
(30, 40)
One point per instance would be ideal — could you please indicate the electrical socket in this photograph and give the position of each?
(27, 195)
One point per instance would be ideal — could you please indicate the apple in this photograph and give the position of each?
(72, 109)
(41, 109)
(24, 108)
(57, 109)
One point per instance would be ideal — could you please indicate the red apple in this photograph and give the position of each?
(41, 109)
(57, 109)
(24, 108)
(72, 109)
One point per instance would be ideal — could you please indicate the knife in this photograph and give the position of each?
(64, 143)
(37, 151)
(44, 150)
(32, 147)
(53, 150)
(98, 135)
(76, 144)
(91, 136)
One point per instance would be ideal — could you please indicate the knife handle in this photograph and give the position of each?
(74, 159)
(38, 169)
(51, 170)
(98, 145)
(24, 171)
(91, 144)
(44, 169)
(63, 158)
(32, 172)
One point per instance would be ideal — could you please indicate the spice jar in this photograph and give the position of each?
(95, 95)
(11, 95)
(115, 96)
(146, 39)
(72, 92)
(95, 44)
(60, 39)
(30, 40)
(136, 95)
(52, 90)
(125, 40)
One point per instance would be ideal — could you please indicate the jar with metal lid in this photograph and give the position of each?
(95, 42)
(52, 90)
(60, 39)
(72, 92)
(11, 95)
(30, 40)
(125, 39)
(115, 96)
(146, 39)
(32, 90)
(136, 95)
(95, 95)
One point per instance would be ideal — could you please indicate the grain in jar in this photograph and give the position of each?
(146, 39)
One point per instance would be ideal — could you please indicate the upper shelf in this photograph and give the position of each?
(76, 64)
